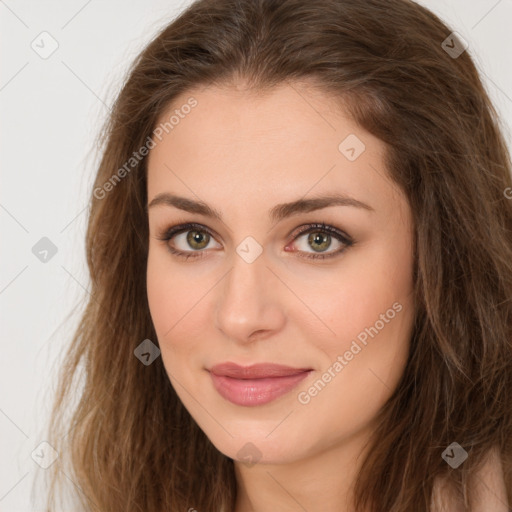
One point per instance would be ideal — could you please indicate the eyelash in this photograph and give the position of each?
(169, 233)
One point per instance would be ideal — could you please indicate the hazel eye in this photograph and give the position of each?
(320, 237)
(187, 237)
(196, 239)
(317, 241)
(191, 240)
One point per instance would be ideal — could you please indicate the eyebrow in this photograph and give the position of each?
(277, 213)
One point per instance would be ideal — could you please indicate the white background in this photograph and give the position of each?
(50, 111)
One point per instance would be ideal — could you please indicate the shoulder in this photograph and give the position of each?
(490, 490)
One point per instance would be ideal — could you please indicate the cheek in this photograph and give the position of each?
(373, 350)
(354, 297)
(161, 291)
(167, 299)
(178, 309)
(370, 309)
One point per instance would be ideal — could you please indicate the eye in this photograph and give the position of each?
(194, 238)
(320, 238)
(190, 236)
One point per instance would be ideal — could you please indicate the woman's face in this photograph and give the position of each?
(251, 291)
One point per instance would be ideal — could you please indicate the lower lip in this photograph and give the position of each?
(250, 392)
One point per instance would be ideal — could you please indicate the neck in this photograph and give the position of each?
(292, 485)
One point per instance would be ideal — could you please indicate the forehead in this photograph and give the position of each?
(278, 144)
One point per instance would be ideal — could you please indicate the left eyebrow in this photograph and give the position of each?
(277, 213)
(284, 210)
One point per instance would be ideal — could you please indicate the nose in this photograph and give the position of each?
(249, 304)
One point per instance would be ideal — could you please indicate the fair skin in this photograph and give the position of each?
(242, 155)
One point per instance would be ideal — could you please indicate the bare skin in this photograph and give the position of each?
(242, 155)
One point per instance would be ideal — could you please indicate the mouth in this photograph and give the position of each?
(257, 384)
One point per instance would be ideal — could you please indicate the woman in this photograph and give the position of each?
(300, 247)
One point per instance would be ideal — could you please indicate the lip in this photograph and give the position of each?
(257, 384)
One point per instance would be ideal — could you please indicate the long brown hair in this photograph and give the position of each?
(131, 445)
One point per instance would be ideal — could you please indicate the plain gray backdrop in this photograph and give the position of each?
(51, 108)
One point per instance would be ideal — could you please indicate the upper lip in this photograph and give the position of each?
(255, 371)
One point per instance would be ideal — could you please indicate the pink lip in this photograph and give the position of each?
(257, 384)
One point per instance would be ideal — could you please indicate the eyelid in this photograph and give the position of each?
(176, 229)
(167, 234)
(320, 226)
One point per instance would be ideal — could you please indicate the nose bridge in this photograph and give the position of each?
(246, 302)
(244, 287)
